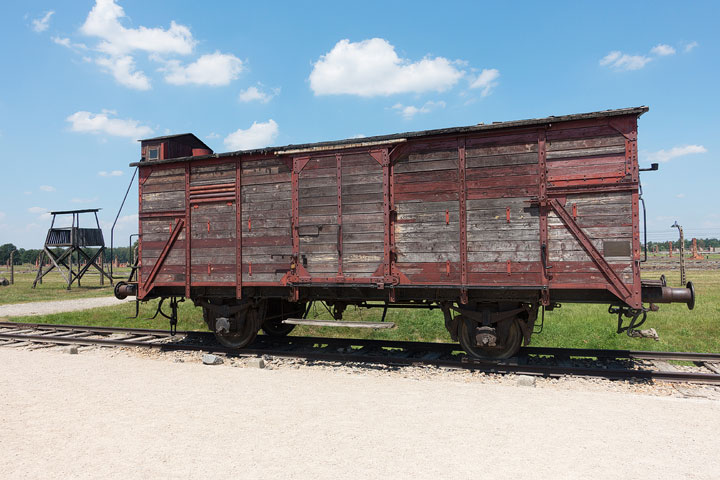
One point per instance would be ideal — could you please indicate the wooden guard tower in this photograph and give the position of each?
(73, 243)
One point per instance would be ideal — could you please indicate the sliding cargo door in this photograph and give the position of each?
(212, 196)
(340, 222)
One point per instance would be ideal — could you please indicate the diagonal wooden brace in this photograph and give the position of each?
(619, 288)
(163, 255)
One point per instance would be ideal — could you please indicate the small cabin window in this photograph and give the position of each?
(153, 153)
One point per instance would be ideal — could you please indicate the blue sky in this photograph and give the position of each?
(83, 80)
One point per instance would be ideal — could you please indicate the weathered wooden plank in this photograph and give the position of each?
(500, 267)
(403, 166)
(561, 133)
(361, 188)
(375, 208)
(428, 238)
(265, 188)
(361, 199)
(437, 196)
(431, 273)
(430, 217)
(507, 181)
(421, 257)
(419, 206)
(505, 171)
(439, 246)
(362, 179)
(197, 169)
(501, 192)
(600, 198)
(595, 220)
(527, 256)
(430, 156)
(509, 245)
(586, 143)
(228, 278)
(266, 196)
(283, 177)
(164, 187)
(265, 214)
(497, 203)
(430, 187)
(258, 223)
(318, 220)
(501, 161)
(361, 247)
(494, 235)
(427, 227)
(363, 228)
(364, 219)
(204, 258)
(267, 250)
(199, 233)
(502, 224)
(498, 150)
(275, 240)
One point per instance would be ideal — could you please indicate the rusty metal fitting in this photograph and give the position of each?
(660, 294)
(124, 290)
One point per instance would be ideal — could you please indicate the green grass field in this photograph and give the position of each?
(52, 288)
(573, 325)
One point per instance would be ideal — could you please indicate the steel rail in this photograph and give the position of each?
(500, 367)
(445, 348)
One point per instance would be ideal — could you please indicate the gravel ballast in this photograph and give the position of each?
(142, 417)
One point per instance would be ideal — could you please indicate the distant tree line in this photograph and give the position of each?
(122, 254)
(702, 243)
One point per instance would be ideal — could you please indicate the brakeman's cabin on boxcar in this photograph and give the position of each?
(490, 223)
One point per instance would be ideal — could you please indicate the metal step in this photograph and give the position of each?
(338, 323)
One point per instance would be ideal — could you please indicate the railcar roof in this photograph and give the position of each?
(408, 135)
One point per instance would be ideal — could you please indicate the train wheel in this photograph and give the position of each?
(277, 311)
(507, 344)
(237, 331)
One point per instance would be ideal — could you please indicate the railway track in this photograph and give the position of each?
(541, 361)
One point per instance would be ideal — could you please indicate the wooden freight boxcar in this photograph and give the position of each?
(491, 223)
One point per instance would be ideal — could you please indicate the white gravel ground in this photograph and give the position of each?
(117, 415)
(58, 306)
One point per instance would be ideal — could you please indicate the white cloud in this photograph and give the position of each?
(213, 69)
(114, 173)
(212, 135)
(680, 195)
(675, 152)
(123, 69)
(67, 43)
(690, 46)
(2, 215)
(487, 80)
(27, 192)
(84, 200)
(37, 210)
(252, 94)
(662, 50)
(257, 136)
(623, 61)
(358, 135)
(410, 111)
(372, 67)
(42, 24)
(87, 122)
(104, 22)
(47, 188)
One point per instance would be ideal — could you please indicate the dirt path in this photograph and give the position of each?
(57, 306)
(107, 415)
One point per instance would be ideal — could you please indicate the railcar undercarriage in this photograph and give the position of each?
(489, 326)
